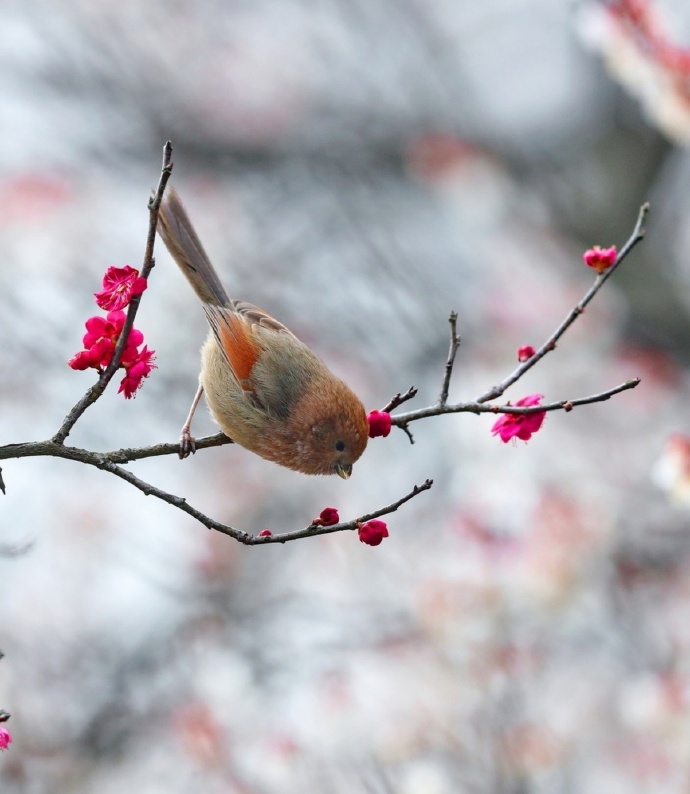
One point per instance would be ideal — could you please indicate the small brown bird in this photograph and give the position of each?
(266, 389)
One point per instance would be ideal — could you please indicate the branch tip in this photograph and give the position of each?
(450, 360)
(407, 432)
(399, 399)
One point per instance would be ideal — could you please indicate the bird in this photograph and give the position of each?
(265, 388)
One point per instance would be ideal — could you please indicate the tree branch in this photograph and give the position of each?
(401, 420)
(112, 462)
(104, 461)
(478, 406)
(577, 310)
(314, 529)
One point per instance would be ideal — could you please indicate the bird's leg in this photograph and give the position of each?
(187, 440)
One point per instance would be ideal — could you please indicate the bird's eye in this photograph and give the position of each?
(340, 445)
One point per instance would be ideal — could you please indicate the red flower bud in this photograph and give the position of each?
(525, 353)
(379, 424)
(327, 517)
(373, 532)
(599, 258)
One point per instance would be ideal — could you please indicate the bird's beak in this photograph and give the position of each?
(343, 470)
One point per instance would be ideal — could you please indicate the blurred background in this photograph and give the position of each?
(359, 168)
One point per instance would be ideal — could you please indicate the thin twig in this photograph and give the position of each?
(452, 351)
(567, 405)
(406, 430)
(314, 529)
(401, 420)
(95, 391)
(399, 399)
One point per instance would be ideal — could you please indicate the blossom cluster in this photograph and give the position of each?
(120, 285)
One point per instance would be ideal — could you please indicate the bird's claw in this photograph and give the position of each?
(187, 444)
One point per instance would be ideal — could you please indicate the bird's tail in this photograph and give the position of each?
(181, 240)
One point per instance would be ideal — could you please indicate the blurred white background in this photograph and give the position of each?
(358, 168)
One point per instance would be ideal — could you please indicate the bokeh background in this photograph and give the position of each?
(359, 168)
